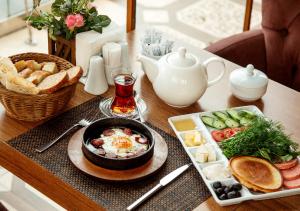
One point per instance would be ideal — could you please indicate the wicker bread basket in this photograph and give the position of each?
(37, 107)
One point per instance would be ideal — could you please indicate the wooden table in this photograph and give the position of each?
(279, 103)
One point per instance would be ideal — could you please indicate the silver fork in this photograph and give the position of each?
(82, 123)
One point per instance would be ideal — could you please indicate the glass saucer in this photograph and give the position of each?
(105, 109)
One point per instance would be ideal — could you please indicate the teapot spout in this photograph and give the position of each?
(150, 66)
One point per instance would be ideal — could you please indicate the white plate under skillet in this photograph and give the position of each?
(105, 109)
(221, 159)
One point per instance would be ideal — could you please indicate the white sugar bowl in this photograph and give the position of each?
(248, 84)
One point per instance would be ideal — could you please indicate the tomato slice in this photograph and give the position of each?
(218, 135)
(228, 132)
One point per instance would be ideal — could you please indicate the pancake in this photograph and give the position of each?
(256, 173)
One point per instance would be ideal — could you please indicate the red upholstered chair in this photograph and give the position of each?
(275, 49)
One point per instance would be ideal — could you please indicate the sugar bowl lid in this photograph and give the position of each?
(248, 77)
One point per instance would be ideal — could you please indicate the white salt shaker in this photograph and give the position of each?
(96, 83)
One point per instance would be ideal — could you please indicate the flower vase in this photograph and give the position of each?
(63, 48)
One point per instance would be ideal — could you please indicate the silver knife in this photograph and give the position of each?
(163, 182)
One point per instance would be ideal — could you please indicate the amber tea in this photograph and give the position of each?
(123, 103)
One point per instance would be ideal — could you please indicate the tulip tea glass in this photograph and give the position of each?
(123, 103)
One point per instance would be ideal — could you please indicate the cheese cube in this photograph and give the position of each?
(197, 138)
(211, 153)
(201, 154)
(201, 157)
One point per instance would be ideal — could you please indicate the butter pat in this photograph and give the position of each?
(90, 43)
(194, 138)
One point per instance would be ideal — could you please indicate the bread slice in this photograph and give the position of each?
(26, 73)
(21, 85)
(37, 76)
(33, 65)
(74, 74)
(50, 67)
(20, 65)
(53, 82)
(6, 66)
(256, 173)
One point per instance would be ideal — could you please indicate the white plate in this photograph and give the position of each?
(221, 158)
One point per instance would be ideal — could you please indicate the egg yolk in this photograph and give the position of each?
(122, 142)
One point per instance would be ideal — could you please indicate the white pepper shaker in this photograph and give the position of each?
(96, 83)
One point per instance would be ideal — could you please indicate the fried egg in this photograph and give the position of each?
(122, 144)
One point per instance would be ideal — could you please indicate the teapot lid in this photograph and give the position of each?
(248, 77)
(181, 58)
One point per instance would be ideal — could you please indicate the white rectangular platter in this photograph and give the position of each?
(246, 194)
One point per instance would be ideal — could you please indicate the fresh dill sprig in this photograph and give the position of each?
(265, 139)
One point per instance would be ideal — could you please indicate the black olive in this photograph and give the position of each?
(217, 185)
(219, 191)
(237, 186)
(232, 194)
(223, 196)
(238, 194)
(227, 190)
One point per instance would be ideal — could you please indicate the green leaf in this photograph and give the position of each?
(97, 29)
(265, 154)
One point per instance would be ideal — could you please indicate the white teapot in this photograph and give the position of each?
(179, 78)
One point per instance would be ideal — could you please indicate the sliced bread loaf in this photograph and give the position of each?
(21, 85)
(53, 82)
(50, 67)
(37, 76)
(6, 66)
(74, 75)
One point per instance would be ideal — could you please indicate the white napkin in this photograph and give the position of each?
(90, 43)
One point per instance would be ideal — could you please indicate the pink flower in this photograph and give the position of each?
(73, 21)
(79, 20)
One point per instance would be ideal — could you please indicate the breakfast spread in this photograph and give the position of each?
(119, 143)
(31, 77)
(251, 151)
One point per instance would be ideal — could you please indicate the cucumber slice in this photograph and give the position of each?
(221, 115)
(247, 114)
(208, 120)
(231, 123)
(245, 121)
(234, 114)
(218, 124)
(213, 122)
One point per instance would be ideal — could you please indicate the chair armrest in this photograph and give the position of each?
(244, 48)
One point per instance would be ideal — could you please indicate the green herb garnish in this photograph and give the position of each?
(264, 139)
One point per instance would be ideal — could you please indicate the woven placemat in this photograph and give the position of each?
(185, 193)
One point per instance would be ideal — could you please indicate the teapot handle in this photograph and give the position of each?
(220, 76)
